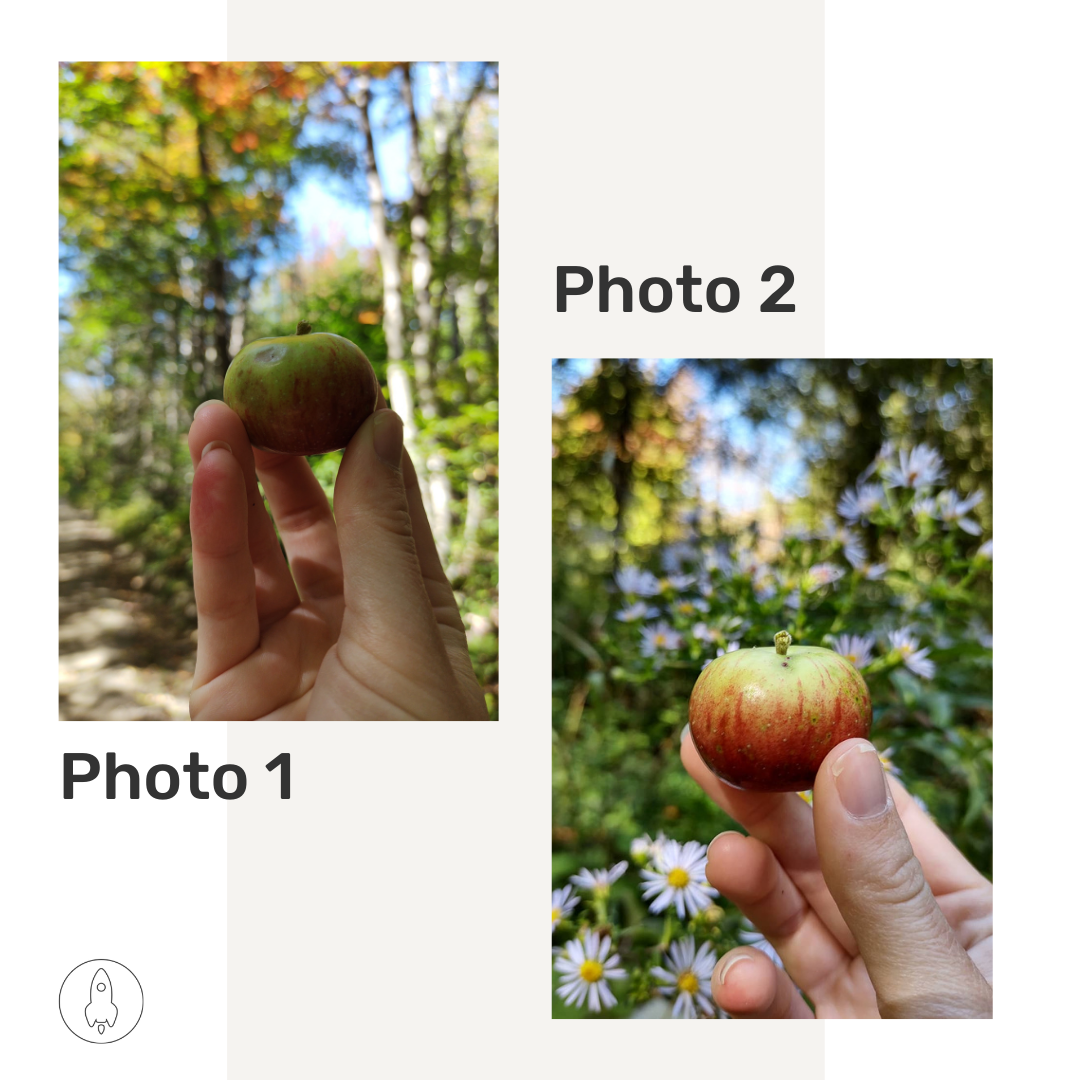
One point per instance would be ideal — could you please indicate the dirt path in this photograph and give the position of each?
(117, 659)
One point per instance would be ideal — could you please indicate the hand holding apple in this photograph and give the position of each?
(354, 620)
(842, 890)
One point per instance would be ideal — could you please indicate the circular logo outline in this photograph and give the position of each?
(101, 1042)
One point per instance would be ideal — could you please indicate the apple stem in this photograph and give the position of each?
(303, 328)
(783, 640)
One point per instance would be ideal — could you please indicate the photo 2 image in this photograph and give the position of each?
(279, 322)
(772, 688)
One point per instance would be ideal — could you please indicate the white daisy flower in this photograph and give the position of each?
(855, 550)
(919, 468)
(686, 976)
(645, 847)
(562, 903)
(635, 582)
(599, 882)
(953, 509)
(823, 574)
(702, 632)
(658, 636)
(986, 550)
(854, 648)
(679, 582)
(676, 556)
(746, 562)
(885, 757)
(732, 646)
(638, 610)
(585, 969)
(689, 607)
(717, 559)
(880, 458)
(857, 503)
(915, 659)
(874, 572)
(678, 880)
(764, 586)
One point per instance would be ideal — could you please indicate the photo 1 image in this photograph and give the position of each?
(279, 317)
(772, 688)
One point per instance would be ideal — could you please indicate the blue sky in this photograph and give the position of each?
(779, 468)
(320, 206)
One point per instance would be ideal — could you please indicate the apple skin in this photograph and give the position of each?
(302, 394)
(764, 721)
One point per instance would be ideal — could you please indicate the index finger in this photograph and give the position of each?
(785, 823)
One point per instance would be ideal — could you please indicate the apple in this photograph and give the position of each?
(302, 394)
(763, 719)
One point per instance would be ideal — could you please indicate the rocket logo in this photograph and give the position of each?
(101, 1010)
(101, 1001)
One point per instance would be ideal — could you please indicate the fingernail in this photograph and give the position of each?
(216, 445)
(726, 832)
(685, 732)
(860, 781)
(202, 406)
(729, 964)
(388, 437)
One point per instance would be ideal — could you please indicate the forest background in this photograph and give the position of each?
(182, 188)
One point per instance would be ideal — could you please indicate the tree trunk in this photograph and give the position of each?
(216, 277)
(421, 257)
(438, 481)
(397, 377)
(487, 259)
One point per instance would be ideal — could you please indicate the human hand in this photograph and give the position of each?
(360, 623)
(872, 909)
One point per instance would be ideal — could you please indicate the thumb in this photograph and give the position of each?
(917, 965)
(386, 603)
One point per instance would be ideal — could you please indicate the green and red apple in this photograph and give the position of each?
(301, 394)
(763, 719)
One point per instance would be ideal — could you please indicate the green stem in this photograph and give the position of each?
(669, 929)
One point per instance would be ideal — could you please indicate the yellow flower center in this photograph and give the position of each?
(678, 878)
(850, 656)
(592, 971)
(906, 650)
(688, 981)
(556, 914)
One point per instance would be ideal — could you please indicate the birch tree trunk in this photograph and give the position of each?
(421, 257)
(397, 377)
(438, 481)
